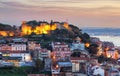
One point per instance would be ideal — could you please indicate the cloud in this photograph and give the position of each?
(61, 3)
(84, 12)
(15, 4)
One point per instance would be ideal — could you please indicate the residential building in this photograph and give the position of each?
(109, 45)
(18, 47)
(79, 63)
(32, 45)
(48, 62)
(65, 66)
(113, 54)
(16, 57)
(41, 54)
(44, 53)
(5, 47)
(77, 44)
(60, 51)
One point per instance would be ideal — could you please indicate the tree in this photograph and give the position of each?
(6, 27)
(32, 23)
(93, 49)
(76, 53)
(85, 37)
(14, 27)
(39, 65)
(101, 58)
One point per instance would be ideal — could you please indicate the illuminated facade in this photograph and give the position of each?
(6, 33)
(113, 54)
(43, 27)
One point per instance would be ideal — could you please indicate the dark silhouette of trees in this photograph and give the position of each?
(93, 49)
(76, 53)
(101, 58)
(39, 65)
(5, 27)
(85, 37)
(32, 23)
(75, 30)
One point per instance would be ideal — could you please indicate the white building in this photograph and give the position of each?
(18, 47)
(79, 63)
(55, 71)
(44, 53)
(33, 46)
(78, 45)
(58, 45)
(16, 57)
(24, 56)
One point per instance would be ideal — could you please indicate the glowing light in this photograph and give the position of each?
(108, 55)
(87, 45)
(11, 34)
(116, 55)
(27, 58)
(57, 66)
(106, 48)
(39, 29)
(53, 27)
(6, 33)
(66, 25)
(3, 33)
(26, 30)
(53, 57)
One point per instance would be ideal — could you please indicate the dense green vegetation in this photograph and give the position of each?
(20, 71)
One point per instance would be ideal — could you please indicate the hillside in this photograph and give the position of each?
(53, 31)
(62, 31)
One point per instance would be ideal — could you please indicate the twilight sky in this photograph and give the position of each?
(83, 13)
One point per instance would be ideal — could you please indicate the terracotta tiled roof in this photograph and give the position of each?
(79, 58)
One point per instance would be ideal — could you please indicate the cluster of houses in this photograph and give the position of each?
(21, 52)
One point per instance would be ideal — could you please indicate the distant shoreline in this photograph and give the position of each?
(105, 34)
(114, 39)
